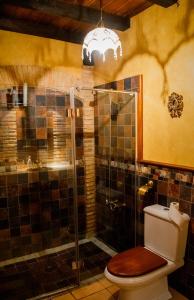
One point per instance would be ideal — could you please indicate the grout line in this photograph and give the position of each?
(103, 246)
(40, 253)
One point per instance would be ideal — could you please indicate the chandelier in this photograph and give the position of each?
(101, 39)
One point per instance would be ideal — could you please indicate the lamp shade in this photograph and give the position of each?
(101, 39)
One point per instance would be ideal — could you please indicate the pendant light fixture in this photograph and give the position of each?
(101, 39)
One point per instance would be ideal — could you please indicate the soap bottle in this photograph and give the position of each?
(29, 162)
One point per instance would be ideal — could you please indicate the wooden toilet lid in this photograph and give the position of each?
(135, 262)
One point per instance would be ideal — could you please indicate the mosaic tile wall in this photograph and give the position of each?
(174, 185)
(36, 198)
(115, 135)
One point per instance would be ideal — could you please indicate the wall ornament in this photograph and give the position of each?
(175, 105)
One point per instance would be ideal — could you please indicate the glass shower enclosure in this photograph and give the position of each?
(67, 186)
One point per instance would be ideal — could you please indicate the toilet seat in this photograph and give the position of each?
(135, 262)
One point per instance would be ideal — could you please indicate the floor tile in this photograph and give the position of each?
(105, 282)
(64, 297)
(102, 295)
(87, 290)
(113, 289)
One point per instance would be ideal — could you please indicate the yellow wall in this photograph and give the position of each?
(41, 62)
(160, 45)
(22, 49)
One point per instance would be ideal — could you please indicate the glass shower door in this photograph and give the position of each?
(37, 192)
(115, 133)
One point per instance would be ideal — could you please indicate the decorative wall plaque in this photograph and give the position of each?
(175, 105)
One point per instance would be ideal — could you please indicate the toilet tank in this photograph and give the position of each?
(161, 235)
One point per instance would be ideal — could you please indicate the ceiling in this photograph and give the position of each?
(69, 20)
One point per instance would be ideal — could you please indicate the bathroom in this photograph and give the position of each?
(78, 141)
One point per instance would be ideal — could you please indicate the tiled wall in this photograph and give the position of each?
(36, 210)
(174, 185)
(115, 136)
(41, 129)
(36, 201)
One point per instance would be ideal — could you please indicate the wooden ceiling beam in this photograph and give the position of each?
(75, 12)
(42, 30)
(164, 3)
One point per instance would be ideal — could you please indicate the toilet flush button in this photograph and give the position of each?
(166, 208)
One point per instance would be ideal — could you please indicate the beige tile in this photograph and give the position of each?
(102, 295)
(105, 282)
(87, 290)
(64, 297)
(114, 290)
(176, 295)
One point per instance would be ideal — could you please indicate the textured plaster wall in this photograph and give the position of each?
(36, 61)
(160, 45)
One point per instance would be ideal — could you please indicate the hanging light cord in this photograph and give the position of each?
(100, 23)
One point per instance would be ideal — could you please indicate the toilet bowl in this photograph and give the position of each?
(141, 272)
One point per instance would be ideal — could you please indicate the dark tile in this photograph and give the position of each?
(42, 143)
(36, 228)
(35, 219)
(24, 199)
(190, 281)
(54, 184)
(3, 213)
(40, 122)
(51, 100)
(12, 201)
(43, 176)
(25, 220)
(40, 100)
(14, 221)
(4, 224)
(21, 144)
(12, 179)
(162, 200)
(3, 202)
(114, 85)
(31, 111)
(13, 211)
(50, 133)
(185, 207)
(30, 133)
(127, 83)
(23, 178)
(185, 192)
(162, 188)
(24, 209)
(23, 189)
(3, 192)
(174, 190)
(60, 101)
(2, 180)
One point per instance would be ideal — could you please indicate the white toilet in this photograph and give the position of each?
(141, 272)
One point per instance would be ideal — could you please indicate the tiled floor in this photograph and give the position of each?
(100, 289)
(45, 274)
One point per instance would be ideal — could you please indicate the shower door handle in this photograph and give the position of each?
(77, 112)
(70, 112)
